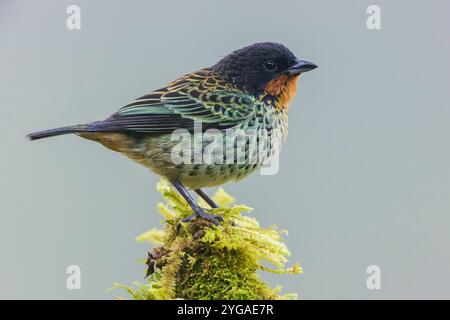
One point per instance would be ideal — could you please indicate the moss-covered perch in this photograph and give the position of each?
(198, 260)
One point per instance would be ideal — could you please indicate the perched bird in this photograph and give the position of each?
(251, 88)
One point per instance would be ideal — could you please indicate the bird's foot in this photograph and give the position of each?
(200, 213)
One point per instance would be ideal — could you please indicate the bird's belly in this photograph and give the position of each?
(197, 172)
(158, 152)
(235, 160)
(200, 176)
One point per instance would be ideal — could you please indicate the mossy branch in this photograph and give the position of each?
(198, 260)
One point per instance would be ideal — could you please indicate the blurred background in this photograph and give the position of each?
(364, 176)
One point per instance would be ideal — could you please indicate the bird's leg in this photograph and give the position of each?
(205, 197)
(198, 212)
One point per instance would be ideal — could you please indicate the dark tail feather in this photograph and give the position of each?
(57, 132)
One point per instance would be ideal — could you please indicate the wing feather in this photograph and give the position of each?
(200, 96)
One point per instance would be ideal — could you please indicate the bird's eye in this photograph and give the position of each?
(270, 65)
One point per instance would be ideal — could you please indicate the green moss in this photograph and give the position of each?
(198, 260)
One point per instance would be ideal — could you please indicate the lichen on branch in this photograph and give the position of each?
(197, 260)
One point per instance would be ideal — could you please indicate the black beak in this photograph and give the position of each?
(299, 67)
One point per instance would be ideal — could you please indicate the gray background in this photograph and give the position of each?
(364, 176)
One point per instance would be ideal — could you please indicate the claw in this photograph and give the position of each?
(199, 213)
(178, 229)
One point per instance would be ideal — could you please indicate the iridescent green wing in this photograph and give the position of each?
(200, 96)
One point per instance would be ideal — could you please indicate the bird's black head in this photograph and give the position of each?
(254, 67)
